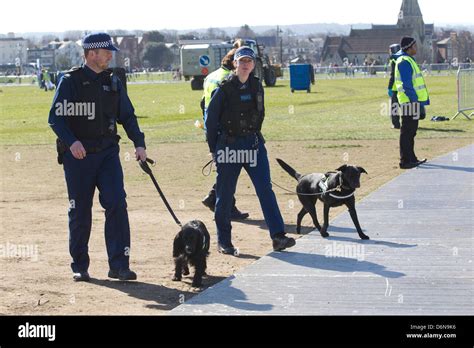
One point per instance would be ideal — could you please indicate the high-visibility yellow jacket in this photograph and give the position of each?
(418, 81)
(212, 81)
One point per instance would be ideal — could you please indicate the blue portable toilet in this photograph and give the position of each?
(301, 77)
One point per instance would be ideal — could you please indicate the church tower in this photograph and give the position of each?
(410, 17)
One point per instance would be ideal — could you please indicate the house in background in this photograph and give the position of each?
(455, 47)
(44, 56)
(372, 45)
(13, 50)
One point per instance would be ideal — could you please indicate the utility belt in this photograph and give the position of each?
(230, 139)
(91, 146)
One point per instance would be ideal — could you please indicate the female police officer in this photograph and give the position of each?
(234, 119)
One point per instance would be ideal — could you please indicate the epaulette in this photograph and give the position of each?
(73, 70)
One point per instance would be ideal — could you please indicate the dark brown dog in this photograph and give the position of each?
(333, 189)
(191, 246)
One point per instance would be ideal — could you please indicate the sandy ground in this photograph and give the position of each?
(33, 205)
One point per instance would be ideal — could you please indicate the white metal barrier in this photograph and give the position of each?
(465, 81)
(371, 71)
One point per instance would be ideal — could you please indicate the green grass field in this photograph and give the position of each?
(336, 110)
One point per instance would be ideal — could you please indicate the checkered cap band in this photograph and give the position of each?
(100, 44)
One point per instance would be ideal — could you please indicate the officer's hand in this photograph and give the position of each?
(78, 150)
(140, 154)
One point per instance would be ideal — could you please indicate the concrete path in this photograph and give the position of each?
(418, 261)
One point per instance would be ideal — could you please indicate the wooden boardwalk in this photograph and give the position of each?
(418, 261)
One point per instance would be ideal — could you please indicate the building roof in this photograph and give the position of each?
(12, 39)
(363, 41)
(332, 45)
(380, 33)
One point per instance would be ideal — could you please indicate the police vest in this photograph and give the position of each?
(212, 81)
(393, 62)
(100, 96)
(418, 81)
(243, 109)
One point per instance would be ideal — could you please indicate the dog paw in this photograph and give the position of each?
(364, 237)
(176, 279)
(324, 234)
(186, 272)
(196, 285)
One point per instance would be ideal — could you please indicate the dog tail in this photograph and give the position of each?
(289, 170)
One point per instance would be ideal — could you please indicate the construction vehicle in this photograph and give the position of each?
(199, 60)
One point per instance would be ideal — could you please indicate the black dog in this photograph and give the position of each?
(191, 245)
(333, 189)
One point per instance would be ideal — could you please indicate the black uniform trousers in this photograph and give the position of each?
(411, 114)
(395, 110)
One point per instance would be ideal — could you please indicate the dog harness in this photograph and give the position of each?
(323, 185)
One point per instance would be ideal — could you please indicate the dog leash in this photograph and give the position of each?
(144, 166)
(302, 194)
(208, 164)
(325, 190)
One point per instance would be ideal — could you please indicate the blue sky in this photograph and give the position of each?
(55, 15)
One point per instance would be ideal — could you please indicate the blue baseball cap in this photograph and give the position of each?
(98, 40)
(395, 48)
(244, 51)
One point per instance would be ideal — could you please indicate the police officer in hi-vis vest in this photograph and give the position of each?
(233, 123)
(89, 102)
(211, 82)
(412, 96)
(395, 52)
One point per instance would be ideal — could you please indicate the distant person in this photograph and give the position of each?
(413, 97)
(48, 85)
(395, 53)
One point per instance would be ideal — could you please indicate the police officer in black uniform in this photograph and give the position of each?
(88, 104)
(233, 124)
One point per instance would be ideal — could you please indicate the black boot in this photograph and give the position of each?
(236, 214)
(210, 200)
(281, 242)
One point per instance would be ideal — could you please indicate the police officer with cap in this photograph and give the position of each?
(89, 102)
(211, 82)
(392, 88)
(412, 96)
(233, 123)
